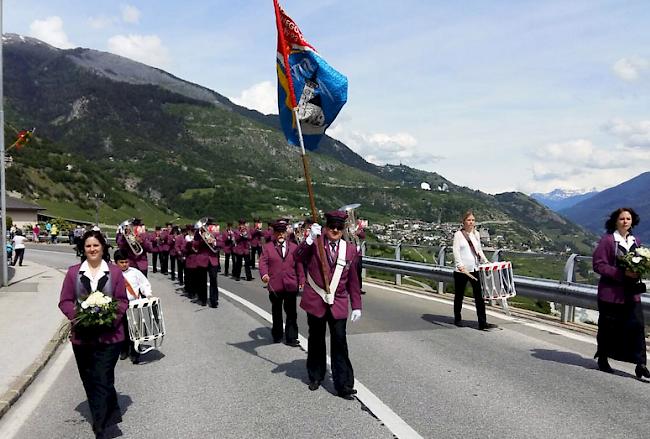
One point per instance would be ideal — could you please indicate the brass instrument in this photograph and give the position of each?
(207, 237)
(351, 226)
(126, 229)
(299, 231)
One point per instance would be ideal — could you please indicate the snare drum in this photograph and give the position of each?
(497, 281)
(146, 324)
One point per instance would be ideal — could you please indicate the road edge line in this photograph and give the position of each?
(376, 406)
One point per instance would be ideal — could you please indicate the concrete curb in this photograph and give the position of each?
(22, 382)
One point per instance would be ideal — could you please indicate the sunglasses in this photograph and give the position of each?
(335, 226)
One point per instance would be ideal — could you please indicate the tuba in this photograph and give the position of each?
(126, 229)
(351, 226)
(207, 237)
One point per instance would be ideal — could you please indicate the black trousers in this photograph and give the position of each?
(172, 267)
(154, 261)
(342, 372)
(20, 252)
(180, 263)
(460, 282)
(286, 300)
(164, 262)
(359, 268)
(190, 280)
(621, 332)
(96, 364)
(201, 283)
(255, 250)
(242, 260)
(227, 257)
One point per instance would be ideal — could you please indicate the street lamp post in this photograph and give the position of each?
(3, 198)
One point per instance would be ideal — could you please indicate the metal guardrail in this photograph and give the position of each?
(566, 293)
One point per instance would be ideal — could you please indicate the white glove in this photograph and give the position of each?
(356, 315)
(314, 231)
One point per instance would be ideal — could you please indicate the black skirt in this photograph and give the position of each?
(621, 332)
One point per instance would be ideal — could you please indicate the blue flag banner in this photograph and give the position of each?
(314, 88)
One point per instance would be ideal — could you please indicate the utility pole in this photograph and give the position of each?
(98, 196)
(3, 192)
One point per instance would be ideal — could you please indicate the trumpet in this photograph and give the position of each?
(126, 229)
(207, 237)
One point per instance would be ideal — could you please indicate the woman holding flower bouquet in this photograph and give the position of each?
(94, 298)
(621, 329)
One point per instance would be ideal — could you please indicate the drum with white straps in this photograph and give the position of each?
(497, 280)
(146, 324)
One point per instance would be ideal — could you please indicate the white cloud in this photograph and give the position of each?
(578, 164)
(51, 31)
(262, 97)
(130, 14)
(633, 135)
(382, 148)
(100, 22)
(147, 49)
(629, 69)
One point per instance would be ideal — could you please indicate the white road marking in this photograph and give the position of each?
(13, 421)
(536, 325)
(385, 414)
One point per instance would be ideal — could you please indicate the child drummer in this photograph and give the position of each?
(137, 286)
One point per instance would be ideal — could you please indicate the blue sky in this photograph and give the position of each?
(496, 95)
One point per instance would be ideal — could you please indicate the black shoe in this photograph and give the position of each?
(214, 304)
(248, 279)
(347, 394)
(642, 371)
(237, 279)
(135, 360)
(363, 292)
(487, 326)
(604, 366)
(277, 340)
(459, 323)
(293, 343)
(314, 385)
(124, 355)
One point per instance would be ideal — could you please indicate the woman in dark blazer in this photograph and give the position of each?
(621, 329)
(96, 353)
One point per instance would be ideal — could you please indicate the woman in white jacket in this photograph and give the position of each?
(468, 254)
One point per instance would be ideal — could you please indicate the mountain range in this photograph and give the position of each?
(154, 144)
(593, 212)
(560, 199)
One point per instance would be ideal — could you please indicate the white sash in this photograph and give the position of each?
(336, 278)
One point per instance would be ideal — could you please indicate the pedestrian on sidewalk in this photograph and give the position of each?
(468, 254)
(283, 275)
(19, 247)
(621, 328)
(330, 309)
(35, 232)
(96, 354)
(137, 286)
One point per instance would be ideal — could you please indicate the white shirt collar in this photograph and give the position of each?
(102, 267)
(626, 243)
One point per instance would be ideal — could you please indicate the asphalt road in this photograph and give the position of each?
(217, 375)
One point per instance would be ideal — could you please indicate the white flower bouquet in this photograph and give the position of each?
(637, 261)
(96, 311)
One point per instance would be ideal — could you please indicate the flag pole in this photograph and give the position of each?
(3, 197)
(305, 162)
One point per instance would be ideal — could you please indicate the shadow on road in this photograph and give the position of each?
(572, 359)
(447, 321)
(113, 431)
(151, 356)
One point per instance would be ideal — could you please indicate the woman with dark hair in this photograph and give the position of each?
(621, 329)
(96, 353)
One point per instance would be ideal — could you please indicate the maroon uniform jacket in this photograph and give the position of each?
(256, 237)
(611, 285)
(285, 274)
(140, 262)
(68, 302)
(348, 286)
(242, 243)
(165, 241)
(228, 238)
(204, 255)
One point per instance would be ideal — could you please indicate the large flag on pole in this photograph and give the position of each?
(307, 82)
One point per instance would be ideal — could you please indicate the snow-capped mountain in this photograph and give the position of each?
(559, 199)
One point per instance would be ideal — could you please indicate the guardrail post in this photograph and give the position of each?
(496, 256)
(398, 256)
(363, 253)
(441, 262)
(568, 312)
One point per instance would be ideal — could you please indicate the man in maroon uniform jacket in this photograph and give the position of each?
(283, 276)
(330, 309)
(228, 238)
(242, 252)
(207, 263)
